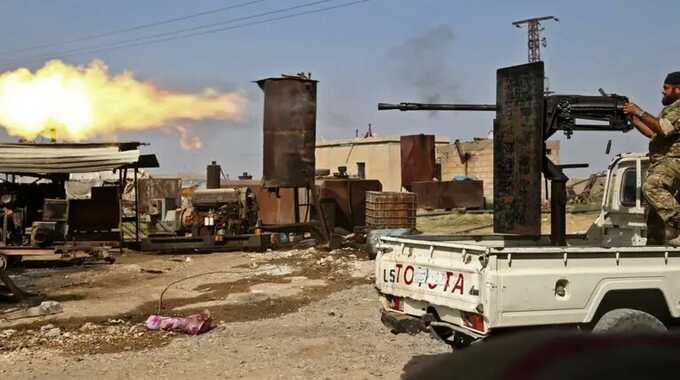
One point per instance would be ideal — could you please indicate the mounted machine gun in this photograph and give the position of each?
(525, 119)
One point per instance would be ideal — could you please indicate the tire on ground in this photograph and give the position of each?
(627, 321)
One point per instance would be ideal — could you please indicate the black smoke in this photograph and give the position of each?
(423, 64)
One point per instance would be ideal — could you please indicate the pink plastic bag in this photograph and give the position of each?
(193, 325)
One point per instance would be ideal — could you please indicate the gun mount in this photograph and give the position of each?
(525, 119)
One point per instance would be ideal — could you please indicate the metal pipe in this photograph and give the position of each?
(121, 214)
(436, 107)
(594, 128)
(296, 203)
(558, 202)
(573, 166)
(136, 207)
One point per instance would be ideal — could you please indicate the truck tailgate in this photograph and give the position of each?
(442, 274)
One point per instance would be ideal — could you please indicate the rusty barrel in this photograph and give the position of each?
(386, 210)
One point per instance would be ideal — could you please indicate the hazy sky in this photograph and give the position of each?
(382, 50)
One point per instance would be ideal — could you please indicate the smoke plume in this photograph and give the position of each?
(422, 63)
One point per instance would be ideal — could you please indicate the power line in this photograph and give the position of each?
(166, 36)
(265, 21)
(122, 45)
(131, 29)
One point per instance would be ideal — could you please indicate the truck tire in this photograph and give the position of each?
(7, 262)
(628, 320)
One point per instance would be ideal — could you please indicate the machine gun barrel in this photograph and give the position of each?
(436, 107)
(561, 112)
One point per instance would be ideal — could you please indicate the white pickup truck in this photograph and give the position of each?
(463, 289)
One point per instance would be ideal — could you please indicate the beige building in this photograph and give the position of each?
(479, 163)
(381, 155)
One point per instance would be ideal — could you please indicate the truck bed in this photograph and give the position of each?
(514, 281)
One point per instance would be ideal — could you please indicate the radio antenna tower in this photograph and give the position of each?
(535, 41)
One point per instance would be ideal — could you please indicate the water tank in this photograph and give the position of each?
(289, 131)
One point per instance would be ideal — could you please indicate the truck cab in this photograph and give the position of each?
(622, 219)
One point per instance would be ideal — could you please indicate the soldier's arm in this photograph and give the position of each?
(648, 120)
(655, 124)
(642, 127)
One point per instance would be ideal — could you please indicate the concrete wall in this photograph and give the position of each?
(480, 164)
(382, 157)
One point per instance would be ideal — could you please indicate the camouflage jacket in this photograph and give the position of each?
(667, 144)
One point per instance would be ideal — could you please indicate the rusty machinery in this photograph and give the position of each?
(217, 219)
(221, 213)
(37, 217)
(525, 119)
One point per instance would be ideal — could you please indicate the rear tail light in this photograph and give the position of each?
(474, 321)
(395, 303)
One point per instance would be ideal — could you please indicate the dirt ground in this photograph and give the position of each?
(285, 314)
(300, 313)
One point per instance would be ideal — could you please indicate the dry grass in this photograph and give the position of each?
(458, 223)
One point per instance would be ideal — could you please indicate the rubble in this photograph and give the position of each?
(88, 326)
(45, 308)
(52, 333)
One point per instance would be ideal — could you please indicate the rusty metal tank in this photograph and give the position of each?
(213, 176)
(447, 195)
(349, 196)
(417, 159)
(289, 131)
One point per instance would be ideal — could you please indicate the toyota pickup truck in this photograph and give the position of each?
(463, 289)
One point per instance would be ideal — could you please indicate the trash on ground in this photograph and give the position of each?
(193, 325)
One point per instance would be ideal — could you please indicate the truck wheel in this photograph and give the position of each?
(628, 320)
(7, 262)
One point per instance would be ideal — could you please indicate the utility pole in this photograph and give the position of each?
(535, 41)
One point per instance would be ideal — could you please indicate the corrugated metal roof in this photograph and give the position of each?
(66, 158)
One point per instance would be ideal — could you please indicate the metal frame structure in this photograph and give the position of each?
(143, 161)
(534, 31)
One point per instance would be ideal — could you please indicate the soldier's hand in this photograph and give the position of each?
(631, 108)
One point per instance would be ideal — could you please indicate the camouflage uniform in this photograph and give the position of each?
(663, 176)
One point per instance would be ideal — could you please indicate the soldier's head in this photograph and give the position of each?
(671, 89)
